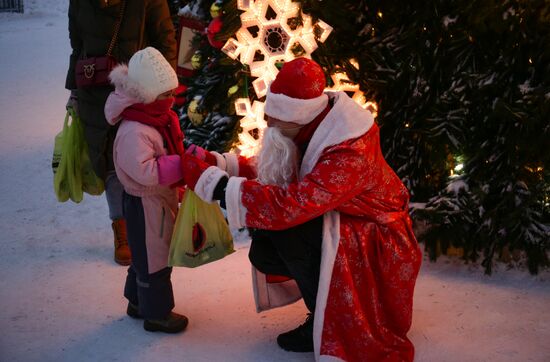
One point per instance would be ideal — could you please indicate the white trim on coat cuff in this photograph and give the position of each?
(236, 212)
(220, 160)
(207, 183)
(232, 162)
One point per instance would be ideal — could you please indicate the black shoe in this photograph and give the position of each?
(133, 311)
(173, 323)
(299, 339)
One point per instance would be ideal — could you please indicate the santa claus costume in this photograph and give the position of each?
(370, 257)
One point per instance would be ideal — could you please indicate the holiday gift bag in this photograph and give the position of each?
(201, 234)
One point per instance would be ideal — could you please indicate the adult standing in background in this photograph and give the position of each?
(91, 27)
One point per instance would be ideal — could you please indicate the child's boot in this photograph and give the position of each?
(122, 251)
(173, 323)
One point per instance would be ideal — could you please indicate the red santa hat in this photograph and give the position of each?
(296, 95)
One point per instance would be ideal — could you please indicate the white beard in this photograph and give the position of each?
(277, 160)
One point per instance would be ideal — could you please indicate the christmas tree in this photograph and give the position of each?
(463, 96)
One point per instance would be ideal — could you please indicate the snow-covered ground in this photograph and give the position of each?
(61, 293)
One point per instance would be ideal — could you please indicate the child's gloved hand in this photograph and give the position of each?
(192, 168)
(169, 169)
(195, 170)
(201, 154)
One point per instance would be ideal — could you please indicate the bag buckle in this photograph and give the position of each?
(89, 71)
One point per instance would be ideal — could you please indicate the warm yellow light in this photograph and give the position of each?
(276, 41)
(343, 84)
(253, 119)
(379, 13)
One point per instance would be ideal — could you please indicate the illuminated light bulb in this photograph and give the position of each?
(459, 167)
(379, 13)
(372, 108)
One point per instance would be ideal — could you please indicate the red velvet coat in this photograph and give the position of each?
(370, 257)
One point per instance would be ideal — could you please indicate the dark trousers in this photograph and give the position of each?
(294, 252)
(152, 293)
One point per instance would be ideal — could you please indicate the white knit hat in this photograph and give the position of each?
(151, 74)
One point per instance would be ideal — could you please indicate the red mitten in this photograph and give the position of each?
(202, 154)
(192, 169)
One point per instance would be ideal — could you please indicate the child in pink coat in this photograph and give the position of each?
(146, 155)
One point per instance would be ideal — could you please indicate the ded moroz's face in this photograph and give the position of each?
(274, 122)
(288, 129)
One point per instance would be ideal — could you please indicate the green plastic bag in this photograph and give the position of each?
(200, 235)
(73, 173)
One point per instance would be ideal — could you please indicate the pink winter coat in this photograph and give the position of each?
(135, 152)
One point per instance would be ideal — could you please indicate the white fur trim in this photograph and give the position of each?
(232, 163)
(236, 212)
(300, 111)
(273, 295)
(331, 240)
(119, 78)
(207, 183)
(346, 120)
(220, 160)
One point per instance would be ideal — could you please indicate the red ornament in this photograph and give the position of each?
(213, 29)
(179, 95)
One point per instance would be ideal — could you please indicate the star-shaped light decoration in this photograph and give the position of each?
(252, 122)
(268, 37)
(343, 83)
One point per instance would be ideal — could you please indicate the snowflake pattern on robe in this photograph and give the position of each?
(369, 303)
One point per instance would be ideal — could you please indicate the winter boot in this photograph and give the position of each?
(133, 311)
(122, 251)
(299, 339)
(173, 323)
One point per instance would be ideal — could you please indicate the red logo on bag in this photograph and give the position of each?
(198, 237)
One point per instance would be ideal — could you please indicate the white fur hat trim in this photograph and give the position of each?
(300, 111)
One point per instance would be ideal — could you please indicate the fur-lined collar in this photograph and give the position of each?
(346, 120)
